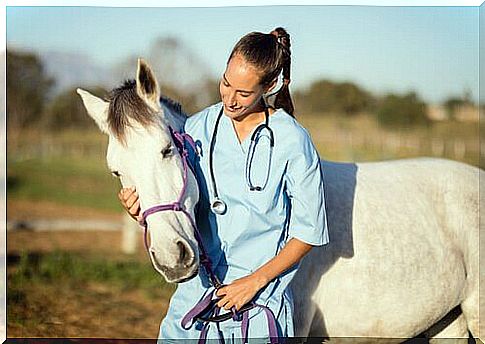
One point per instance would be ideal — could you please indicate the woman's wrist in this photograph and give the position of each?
(261, 279)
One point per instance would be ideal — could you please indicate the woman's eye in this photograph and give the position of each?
(244, 95)
(116, 174)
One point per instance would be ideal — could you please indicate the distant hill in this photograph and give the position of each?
(177, 67)
(75, 70)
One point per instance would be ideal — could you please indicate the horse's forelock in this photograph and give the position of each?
(125, 104)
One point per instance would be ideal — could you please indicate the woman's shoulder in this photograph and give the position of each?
(292, 130)
(294, 140)
(199, 119)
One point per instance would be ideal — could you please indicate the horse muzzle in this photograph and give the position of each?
(181, 265)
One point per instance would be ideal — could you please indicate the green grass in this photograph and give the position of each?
(73, 181)
(75, 270)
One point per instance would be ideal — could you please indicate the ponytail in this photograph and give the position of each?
(283, 97)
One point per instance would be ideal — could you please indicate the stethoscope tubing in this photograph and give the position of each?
(218, 206)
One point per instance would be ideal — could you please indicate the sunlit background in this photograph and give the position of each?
(370, 83)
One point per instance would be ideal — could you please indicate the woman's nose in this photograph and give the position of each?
(231, 99)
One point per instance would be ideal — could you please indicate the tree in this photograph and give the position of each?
(452, 104)
(402, 111)
(328, 96)
(27, 89)
(67, 111)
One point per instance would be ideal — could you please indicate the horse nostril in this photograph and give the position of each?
(182, 251)
(185, 254)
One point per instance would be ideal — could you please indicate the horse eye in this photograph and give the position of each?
(166, 152)
(116, 174)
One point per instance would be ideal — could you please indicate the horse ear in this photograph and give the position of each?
(97, 108)
(146, 84)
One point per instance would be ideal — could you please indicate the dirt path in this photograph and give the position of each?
(32, 210)
(93, 311)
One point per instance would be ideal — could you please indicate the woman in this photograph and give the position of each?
(272, 187)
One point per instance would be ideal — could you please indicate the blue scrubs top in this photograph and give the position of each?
(257, 224)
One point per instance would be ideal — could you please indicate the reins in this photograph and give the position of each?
(205, 310)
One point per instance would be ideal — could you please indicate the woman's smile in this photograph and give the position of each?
(232, 108)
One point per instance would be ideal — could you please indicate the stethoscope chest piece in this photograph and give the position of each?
(218, 206)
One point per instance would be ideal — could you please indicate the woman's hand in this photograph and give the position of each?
(239, 292)
(131, 202)
(242, 290)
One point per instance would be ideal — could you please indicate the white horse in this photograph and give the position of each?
(403, 252)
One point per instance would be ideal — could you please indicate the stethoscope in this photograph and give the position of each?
(218, 206)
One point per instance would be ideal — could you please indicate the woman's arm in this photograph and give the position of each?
(243, 290)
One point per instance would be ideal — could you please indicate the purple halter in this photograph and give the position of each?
(208, 303)
(179, 140)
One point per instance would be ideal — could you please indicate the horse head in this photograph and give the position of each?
(142, 154)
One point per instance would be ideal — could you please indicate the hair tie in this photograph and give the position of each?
(279, 37)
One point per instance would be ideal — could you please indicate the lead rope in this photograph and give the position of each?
(208, 303)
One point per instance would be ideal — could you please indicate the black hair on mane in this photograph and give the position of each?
(172, 105)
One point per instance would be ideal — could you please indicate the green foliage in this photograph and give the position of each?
(396, 111)
(27, 89)
(67, 111)
(329, 96)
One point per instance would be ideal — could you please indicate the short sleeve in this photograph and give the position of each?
(304, 187)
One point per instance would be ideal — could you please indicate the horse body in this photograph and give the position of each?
(403, 251)
(403, 247)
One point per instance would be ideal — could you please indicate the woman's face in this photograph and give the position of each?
(240, 89)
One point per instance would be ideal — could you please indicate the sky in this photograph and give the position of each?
(431, 50)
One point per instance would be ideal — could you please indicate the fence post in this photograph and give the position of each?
(437, 146)
(459, 148)
(129, 238)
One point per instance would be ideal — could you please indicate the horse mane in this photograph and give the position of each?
(172, 105)
(178, 115)
(125, 104)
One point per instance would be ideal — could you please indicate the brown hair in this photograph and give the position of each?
(271, 55)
